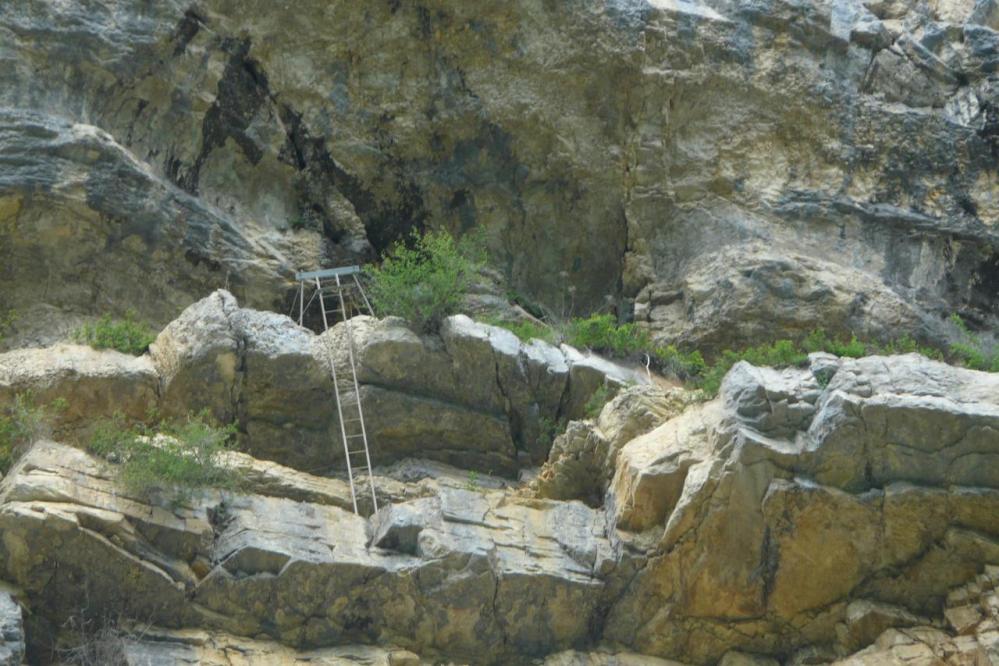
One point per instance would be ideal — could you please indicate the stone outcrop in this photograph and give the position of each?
(468, 574)
(473, 396)
(970, 634)
(583, 458)
(826, 163)
(156, 646)
(790, 518)
(771, 509)
(89, 383)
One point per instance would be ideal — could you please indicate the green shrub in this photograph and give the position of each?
(189, 455)
(682, 365)
(908, 345)
(596, 403)
(602, 333)
(21, 424)
(548, 430)
(7, 319)
(125, 335)
(974, 351)
(782, 353)
(425, 281)
(525, 330)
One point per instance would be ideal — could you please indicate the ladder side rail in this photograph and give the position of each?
(357, 392)
(336, 390)
(364, 296)
(301, 302)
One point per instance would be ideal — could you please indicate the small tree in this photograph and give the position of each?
(423, 281)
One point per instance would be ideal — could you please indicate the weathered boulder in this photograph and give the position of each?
(473, 396)
(775, 506)
(197, 358)
(583, 458)
(90, 383)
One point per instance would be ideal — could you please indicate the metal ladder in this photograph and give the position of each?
(348, 395)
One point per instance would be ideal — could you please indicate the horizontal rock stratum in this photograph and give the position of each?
(802, 514)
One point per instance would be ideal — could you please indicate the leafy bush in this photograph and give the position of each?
(7, 318)
(782, 353)
(974, 351)
(596, 403)
(178, 457)
(682, 365)
(21, 424)
(125, 335)
(525, 330)
(425, 281)
(602, 333)
(548, 430)
(908, 345)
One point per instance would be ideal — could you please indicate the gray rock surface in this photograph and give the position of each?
(772, 508)
(12, 642)
(486, 576)
(474, 396)
(91, 383)
(784, 519)
(154, 646)
(792, 163)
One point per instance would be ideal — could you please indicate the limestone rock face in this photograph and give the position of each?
(475, 396)
(86, 227)
(831, 163)
(583, 458)
(90, 382)
(463, 574)
(775, 506)
(790, 519)
(11, 631)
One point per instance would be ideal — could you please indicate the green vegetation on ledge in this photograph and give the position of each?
(425, 280)
(125, 335)
(974, 350)
(23, 422)
(178, 457)
(603, 334)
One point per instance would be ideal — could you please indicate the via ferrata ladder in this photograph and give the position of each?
(348, 299)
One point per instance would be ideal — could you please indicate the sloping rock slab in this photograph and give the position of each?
(483, 575)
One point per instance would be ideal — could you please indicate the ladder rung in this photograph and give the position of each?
(354, 436)
(353, 453)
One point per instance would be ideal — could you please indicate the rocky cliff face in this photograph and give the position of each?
(802, 515)
(704, 164)
(720, 171)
